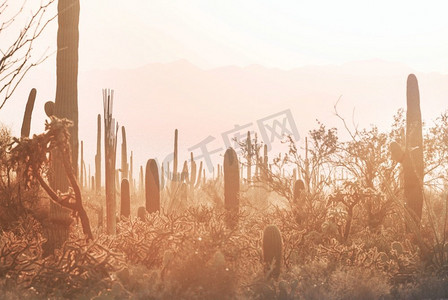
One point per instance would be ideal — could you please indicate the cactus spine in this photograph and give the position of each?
(272, 251)
(26, 124)
(125, 198)
(98, 157)
(152, 186)
(231, 181)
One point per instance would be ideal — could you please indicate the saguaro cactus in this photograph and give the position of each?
(231, 181)
(249, 157)
(152, 187)
(299, 188)
(66, 106)
(110, 151)
(272, 251)
(98, 157)
(124, 155)
(125, 198)
(411, 156)
(175, 157)
(413, 167)
(26, 124)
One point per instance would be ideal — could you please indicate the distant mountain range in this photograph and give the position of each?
(153, 100)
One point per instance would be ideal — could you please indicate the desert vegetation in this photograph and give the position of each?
(364, 217)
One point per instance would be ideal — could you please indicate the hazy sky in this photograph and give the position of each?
(284, 34)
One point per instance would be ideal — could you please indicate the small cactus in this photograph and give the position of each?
(272, 251)
(231, 181)
(125, 198)
(152, 186)
(299, 188)
(141, 213)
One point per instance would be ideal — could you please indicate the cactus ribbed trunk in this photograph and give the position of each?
(413, 164)
(152, 187)
(66, 106)
(26, 124)
(98, 157)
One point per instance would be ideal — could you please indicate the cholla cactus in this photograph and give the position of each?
(272, 251)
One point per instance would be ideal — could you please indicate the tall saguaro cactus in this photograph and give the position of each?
(124, 155)
(410, 155)
(413, 166)
(98, 157)
(110, 152)
(152, 186)
(66, 106)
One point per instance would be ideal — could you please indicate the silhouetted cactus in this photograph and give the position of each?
(110, 147)
(26, 124)
(199, 180)
(272, 251)
(193, 172)
(411, 155)
(231, 181)
(413, 168)
(125, 198)
(124, 155)
(175, 157)
(152, 187)
(66, 106)
(249, 157)
(141, 213)
(184, 176)
(98, 157)
(299, 188)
